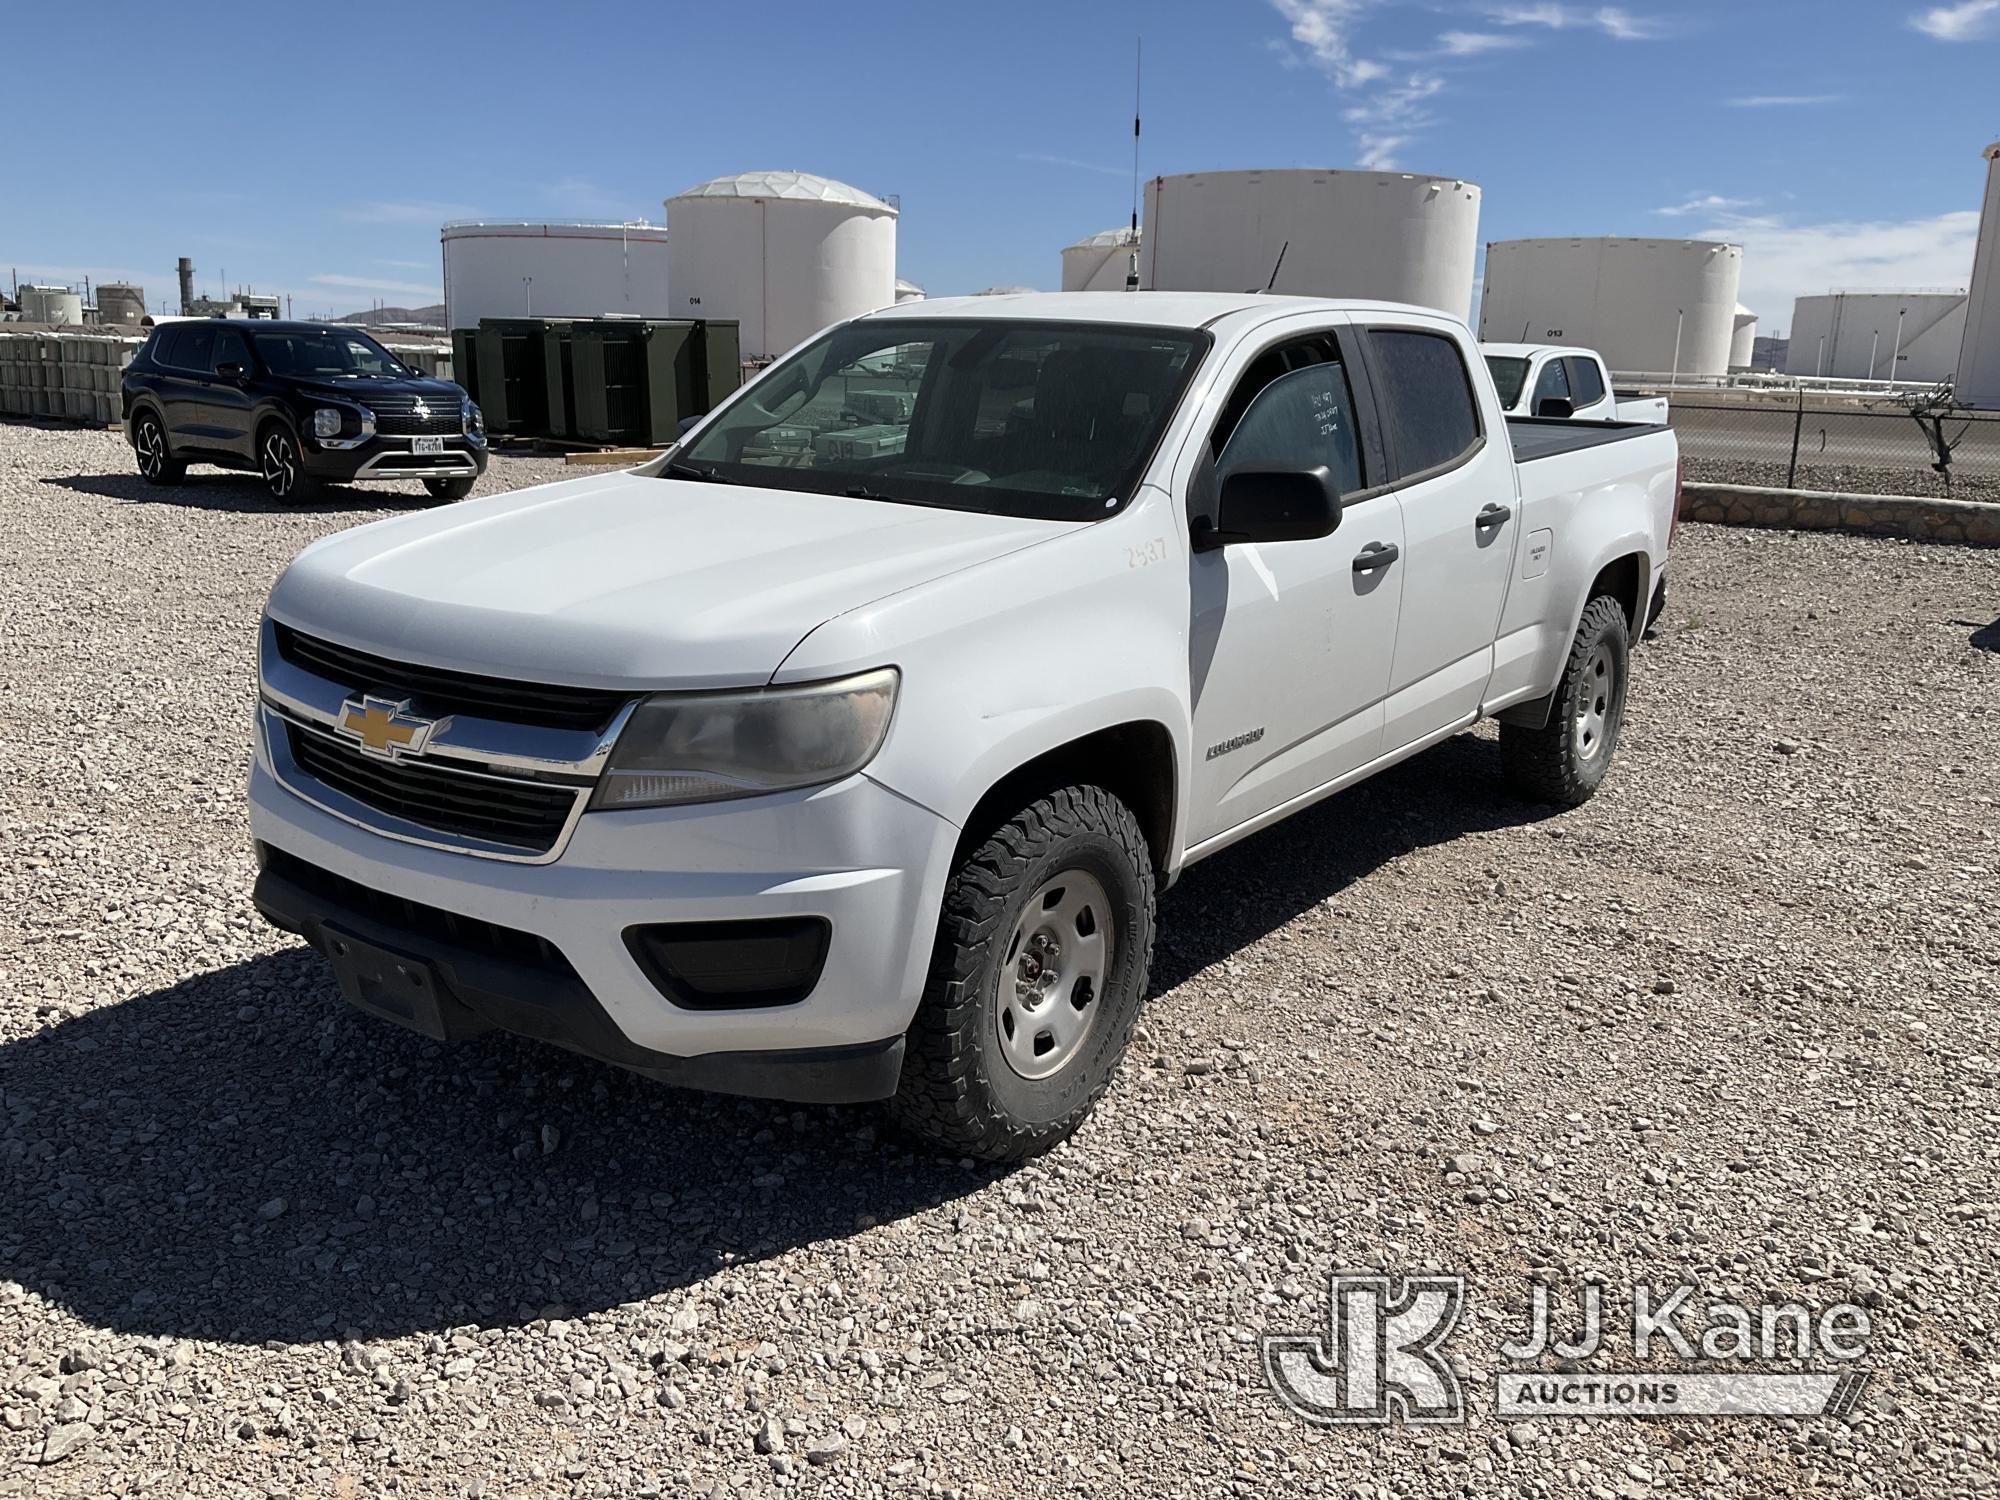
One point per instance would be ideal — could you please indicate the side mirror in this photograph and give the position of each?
(1272, 505)
(1555, 406)
(230, 371)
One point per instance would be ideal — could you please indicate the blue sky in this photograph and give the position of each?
(1838, 140)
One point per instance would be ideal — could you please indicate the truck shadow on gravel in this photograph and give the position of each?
(237, 493)
(240, 1156)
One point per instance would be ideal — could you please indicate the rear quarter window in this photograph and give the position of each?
(1427, 400)
(1584, 381)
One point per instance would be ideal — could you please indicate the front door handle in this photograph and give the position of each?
(1376, 555)
(1492, 515)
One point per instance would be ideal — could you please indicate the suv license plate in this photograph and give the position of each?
(427, 445)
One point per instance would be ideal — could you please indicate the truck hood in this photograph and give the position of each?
(623, 581)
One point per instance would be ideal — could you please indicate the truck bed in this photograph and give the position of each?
(1544, 437)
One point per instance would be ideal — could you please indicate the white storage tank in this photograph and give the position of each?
(1648, 306)
(1101, 262)
(521, 269)
(1393, 236)
(1743, 338)
(1979, 350)
(1886, 333)
(785, 254)
(51, 304)
(908, 291)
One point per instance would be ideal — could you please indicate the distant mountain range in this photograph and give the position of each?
(374, 316)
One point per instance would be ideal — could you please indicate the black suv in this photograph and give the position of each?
(301, 403)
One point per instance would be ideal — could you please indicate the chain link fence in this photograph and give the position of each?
(1814, 441)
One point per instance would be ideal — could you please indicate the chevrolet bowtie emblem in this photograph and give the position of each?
(385, 726)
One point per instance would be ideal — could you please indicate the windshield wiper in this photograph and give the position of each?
(707, 475)
(862, 492)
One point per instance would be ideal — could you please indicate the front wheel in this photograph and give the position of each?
(284, 472)
(1043, 950)
(449, 489)
(157, 465)
(1564, 761)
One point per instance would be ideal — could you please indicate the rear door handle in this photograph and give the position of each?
(1492, 515)
(1376, 555)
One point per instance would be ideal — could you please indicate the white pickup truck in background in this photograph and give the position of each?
(841, 753)
(1564, 381)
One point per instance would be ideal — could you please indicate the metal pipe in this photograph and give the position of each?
(1897, 353)
(1680, 317)
(1874, 343)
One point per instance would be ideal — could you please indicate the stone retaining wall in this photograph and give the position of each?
(1966, 522)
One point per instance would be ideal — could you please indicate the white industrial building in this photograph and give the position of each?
(1884, 333)
(519, 269)
(1979, 353)
(785, 254)
(1742, 338)
(1393, 236)
(1100, 262)
(54, 305)
(1646, 305)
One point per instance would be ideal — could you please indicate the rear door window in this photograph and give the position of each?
(1425, 394)
(1584, 381)
(1551, 385)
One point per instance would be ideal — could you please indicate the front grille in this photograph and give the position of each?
(488, 939)
(437, 691)
(524, 815)
(408, 424)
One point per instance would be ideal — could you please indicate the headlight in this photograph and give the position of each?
(475, 421)
(706, 747)
(326, 422)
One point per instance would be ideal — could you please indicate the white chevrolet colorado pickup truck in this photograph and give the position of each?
(839, 753)
(1563, 380)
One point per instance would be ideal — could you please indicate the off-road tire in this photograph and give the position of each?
(1558, 762)
(157, 465)
(449, 489)
(958, 1091)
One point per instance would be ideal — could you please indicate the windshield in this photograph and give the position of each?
(1022, 418)
(327, 355)
(1510, 373)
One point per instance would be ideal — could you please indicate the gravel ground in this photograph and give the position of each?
(1845, 479)
(1730, 1023)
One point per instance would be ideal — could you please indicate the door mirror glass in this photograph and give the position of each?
(1273, 505)
(1555, 406)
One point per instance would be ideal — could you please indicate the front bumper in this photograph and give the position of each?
(464, 457)
(868, 862)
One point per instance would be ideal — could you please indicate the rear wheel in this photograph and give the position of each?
(157, 465)
(284, 472)
(1564, 761)
(1041, 963)
(450, 489)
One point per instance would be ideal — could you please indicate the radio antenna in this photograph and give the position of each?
(1138, 77)
(1276, 264)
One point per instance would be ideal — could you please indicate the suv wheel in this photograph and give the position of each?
(450, 489)
(1041, 963)
(284, 472)
(157, 465)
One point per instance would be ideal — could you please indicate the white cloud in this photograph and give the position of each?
(1472, 43)
(1321, 27)
(1784, 260)
(1705, 203)
(1781, 101)
(1377, 153)
(1964, 22)
(1071, 161)
(1614, 21)
(376, 284)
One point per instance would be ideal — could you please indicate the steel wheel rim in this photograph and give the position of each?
(152, 450)
(1053, 976)
(1595, 699)
(279, 469)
